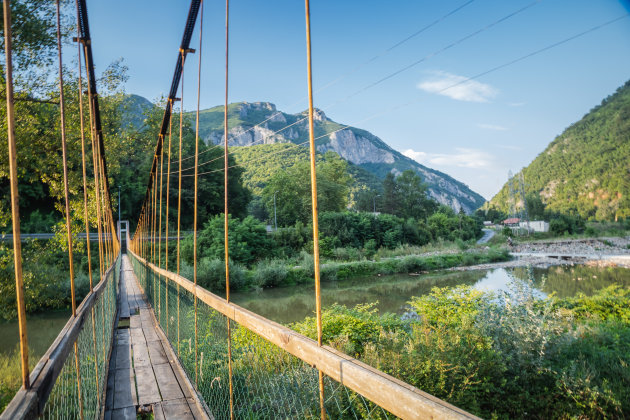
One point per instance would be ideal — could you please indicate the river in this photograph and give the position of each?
(291, 304)
(41, 330)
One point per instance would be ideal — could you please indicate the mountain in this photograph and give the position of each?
(134, 109)
(261, 123)
(586, 169)
(271, 158)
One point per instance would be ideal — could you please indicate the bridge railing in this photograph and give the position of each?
(56, 391)
(274, 369)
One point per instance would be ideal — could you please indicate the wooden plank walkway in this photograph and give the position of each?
(144, 373)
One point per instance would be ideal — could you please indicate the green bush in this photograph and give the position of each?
(211, 274)
(248, 241)
(271, 273)
(352, 328)
(507, 355)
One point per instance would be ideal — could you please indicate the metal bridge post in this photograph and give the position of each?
(15, 206)
(318, 294)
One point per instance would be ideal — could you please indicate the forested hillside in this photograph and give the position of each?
(585, 170)
(261, 162)
(261, 123)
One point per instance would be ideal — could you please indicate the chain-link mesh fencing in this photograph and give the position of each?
(267, 381)
(82, 397)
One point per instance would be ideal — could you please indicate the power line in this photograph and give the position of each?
(477, 76)
(440, 51)
(343, 76)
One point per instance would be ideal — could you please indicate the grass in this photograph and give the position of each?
(11, 375)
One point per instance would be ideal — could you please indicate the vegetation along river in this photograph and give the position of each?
(291, 304)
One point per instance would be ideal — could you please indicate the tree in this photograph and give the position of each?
(292, 190)
(412, 196)
(248, 240)
(406, 196)
(390, 196)
(535, 206)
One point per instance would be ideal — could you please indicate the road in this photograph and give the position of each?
(487, 235)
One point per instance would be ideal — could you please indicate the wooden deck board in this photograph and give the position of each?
(143, 368)
(169, 386)
(148, 391)
(124, 388)
(177, 409)
(123, 356)
(127, 413)
(137, 335)
(156, 352)
(141, 355)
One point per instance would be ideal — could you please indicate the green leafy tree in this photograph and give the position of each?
(412, 196)
(390, 196)
(292, 190)
(248, 240)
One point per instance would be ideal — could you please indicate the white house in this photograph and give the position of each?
(535, 226)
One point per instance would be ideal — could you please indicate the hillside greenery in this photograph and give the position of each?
(293, 128)
(586, 170)
(261, 162)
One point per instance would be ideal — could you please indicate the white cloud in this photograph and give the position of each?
(458, 87)
(463, 158)
(516, 103)
(417, 156)
(492, 127)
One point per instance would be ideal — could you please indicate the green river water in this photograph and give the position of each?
(290, 304)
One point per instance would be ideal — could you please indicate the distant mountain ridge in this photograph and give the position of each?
(256, 123)
(357, 146)
(586, 169)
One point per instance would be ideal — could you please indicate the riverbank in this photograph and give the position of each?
(602, 252)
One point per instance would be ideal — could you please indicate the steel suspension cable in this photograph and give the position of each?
(156, 283)
(225, 193)
(196, 186)
(160, 212)
(179, 187)
(168, 189)
(311, 134)
(15, 199)
(85, 198)
(66, 190)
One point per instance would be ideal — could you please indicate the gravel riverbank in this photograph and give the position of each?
(612, 251)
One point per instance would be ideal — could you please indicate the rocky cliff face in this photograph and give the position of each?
(356, 149)
(255, 123)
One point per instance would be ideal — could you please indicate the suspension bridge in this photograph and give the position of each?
(147, 340)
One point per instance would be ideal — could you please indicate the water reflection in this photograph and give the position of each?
(285, 305)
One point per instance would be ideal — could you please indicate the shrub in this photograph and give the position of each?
(271, 273)
(348, 254)
(248, 240)
(211, 274)
(350, 328)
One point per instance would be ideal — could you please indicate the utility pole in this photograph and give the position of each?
(275, 216)
(374, 202)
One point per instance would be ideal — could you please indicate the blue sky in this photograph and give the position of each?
(475, 131)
